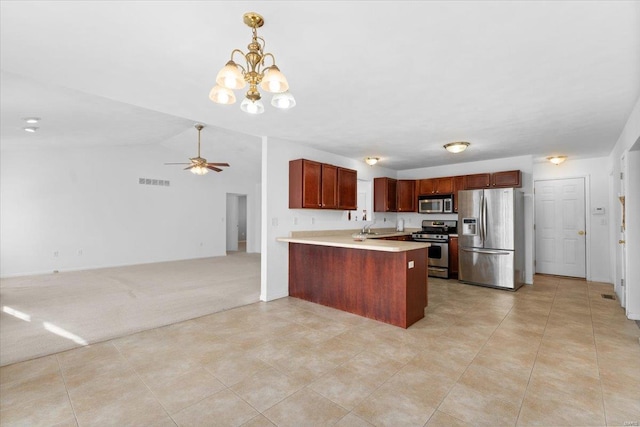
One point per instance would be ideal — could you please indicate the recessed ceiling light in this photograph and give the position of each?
(31, 129)
(31, 120)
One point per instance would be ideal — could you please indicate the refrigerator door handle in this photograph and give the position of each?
(486, 251)
(483, 219)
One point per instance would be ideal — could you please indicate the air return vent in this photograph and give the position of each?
(608, 296)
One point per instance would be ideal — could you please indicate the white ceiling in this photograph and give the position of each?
(392, 79)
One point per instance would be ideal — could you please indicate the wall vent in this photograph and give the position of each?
(151, 181)
(608, 296)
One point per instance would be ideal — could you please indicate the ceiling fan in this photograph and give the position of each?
(199, 165)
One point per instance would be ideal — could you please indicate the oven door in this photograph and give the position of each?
(438, 262)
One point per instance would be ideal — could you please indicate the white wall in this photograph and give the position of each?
(86, 205)
(523, 163)
(279, 220)
(628, 137)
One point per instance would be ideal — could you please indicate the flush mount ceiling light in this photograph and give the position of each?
(235, 76)
(371, 160)
(556, 160)
(31, 120)
(30, 129)
(456, 147)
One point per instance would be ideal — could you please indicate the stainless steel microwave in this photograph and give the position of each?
(435, 204)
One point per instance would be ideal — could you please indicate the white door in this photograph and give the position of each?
(560, 227)
(232, 222)
(622, 255)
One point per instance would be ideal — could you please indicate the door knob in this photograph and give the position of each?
(622, 242)
(582, 233)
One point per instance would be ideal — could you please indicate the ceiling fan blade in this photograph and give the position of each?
(177, 163)
(188, 167)
(213, 168)
(219, 164)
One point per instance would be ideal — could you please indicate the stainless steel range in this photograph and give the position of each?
(437, 233)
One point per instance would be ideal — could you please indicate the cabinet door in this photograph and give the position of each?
(406, 191)
(304, 184)
(453, 257)
(506, 179)
(426, 186)
(458, 184)
(384, 195)
(444, 185)
(478, 181)
(347, 189)
(329, 186)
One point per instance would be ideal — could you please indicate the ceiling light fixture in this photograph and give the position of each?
(235, 76)
(456, 147)
(556, 160)
(30, 129)
(32, 120)
(371, 160)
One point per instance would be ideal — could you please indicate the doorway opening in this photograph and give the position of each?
(236, 222)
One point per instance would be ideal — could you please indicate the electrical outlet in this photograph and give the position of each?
(79, 252)
(295, 221)
(411, 264)
(313, 220)
(55, 253)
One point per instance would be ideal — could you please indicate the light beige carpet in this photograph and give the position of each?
(46, 314)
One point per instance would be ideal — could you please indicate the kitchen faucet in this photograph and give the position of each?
(367, 228)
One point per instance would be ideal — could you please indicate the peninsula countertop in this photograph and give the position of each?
(374, 242)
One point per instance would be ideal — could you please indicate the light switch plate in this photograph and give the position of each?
(411, 264)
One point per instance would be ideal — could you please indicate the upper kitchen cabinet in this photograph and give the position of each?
(477, 181)
(502, 179)
(406, 195)
(329, 187)
(435, 186)
(458, 184)
(506, 179)
(385, 195)
(315, 185)
(347, 189)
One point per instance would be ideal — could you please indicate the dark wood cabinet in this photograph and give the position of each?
(385, 195)
(329, 186)
(315, 185)
(453, 257)
(477, 181)
(442, 185)
(347, 189)
(458, 184)
(406, 195)
(506, 179)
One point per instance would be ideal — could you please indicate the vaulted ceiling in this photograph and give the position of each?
(393, 79)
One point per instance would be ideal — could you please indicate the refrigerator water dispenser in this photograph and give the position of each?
(469, 226)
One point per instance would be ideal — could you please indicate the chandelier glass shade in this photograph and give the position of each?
(199, 170)
(253, 72)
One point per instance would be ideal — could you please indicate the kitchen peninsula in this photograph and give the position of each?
(385, 280)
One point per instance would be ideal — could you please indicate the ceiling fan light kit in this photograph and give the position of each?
(254, 72)
(199, 165)
(456, 147)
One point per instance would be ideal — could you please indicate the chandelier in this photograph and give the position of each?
(236, 76)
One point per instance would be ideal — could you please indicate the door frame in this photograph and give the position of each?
(587, 219)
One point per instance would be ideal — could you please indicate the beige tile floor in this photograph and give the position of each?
(555, 353)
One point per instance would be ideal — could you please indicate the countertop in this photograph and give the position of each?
(373, 243)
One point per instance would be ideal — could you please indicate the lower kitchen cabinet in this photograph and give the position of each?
(453, 257)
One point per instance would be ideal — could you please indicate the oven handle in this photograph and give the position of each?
(441, 270)
(486, 251)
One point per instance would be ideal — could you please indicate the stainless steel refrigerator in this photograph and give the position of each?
(491, 237)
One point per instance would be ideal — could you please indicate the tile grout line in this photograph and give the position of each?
(526, 390)
(66, 389)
